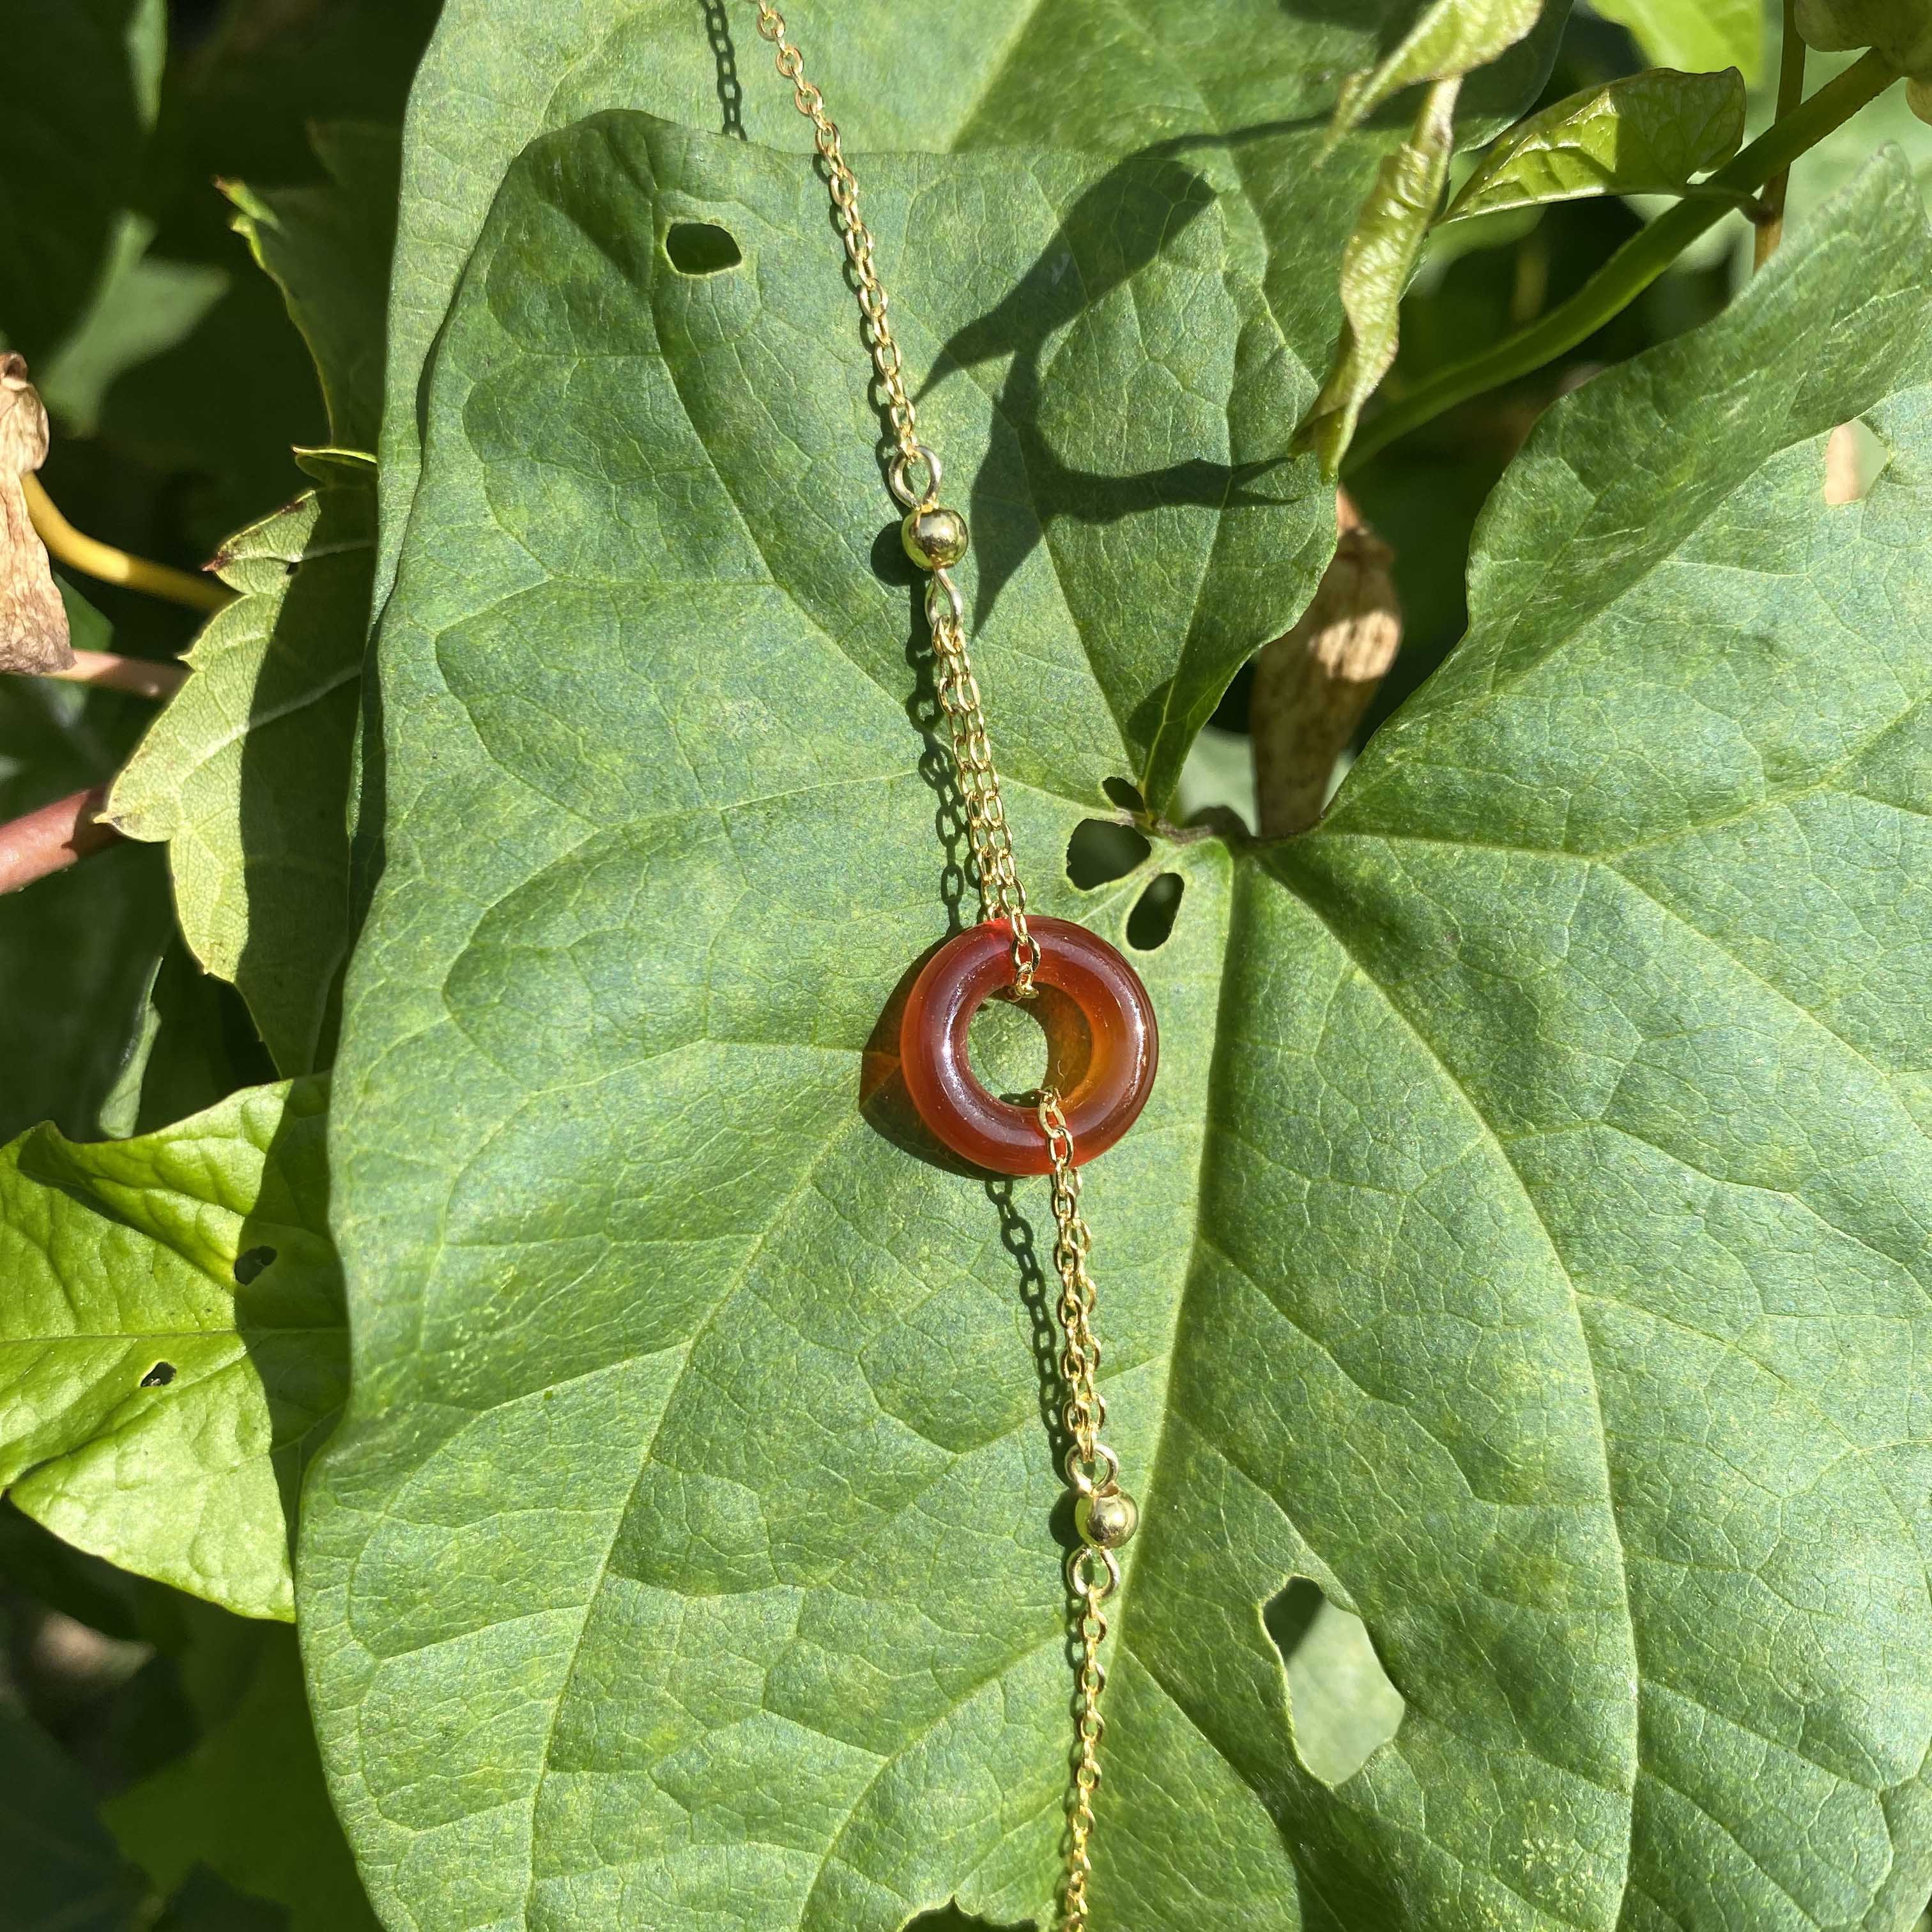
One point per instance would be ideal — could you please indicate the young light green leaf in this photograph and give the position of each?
(1647, 133)
(171, 1341)
(328, 250)
(1901, 30)
(1380, 257)
(245, 774)
(248, 1803)
(1526, 1242)
(1451, 40)
(1712, 33)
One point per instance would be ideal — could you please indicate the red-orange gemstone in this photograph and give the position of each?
(1101, 1037)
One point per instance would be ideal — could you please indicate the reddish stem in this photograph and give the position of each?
(146, 677)
(53, 838)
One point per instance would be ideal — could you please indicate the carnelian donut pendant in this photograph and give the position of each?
(1107, 1068)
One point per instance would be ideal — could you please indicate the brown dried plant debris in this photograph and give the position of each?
(33, 620)
(1312, 685)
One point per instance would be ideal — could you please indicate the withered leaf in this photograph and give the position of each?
(33, 620)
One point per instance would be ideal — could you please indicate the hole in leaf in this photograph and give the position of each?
(1152, 919)
(1015, 1047)
(1341, 1707)
(159, 1376)
(1124, 795)
(1856, 455)
(701, 248)
(251, 1263)
(950, 1918)
(1101, 851)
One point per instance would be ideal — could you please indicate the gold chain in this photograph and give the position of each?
(1103, 1513)
(914, 473)
(936, 539)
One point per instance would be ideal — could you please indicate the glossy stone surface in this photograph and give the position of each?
(1103, 1045)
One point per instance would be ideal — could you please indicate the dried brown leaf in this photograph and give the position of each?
(33, 620)
(1312, 685)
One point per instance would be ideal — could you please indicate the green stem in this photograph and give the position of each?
(1636, 264)
(1790, 92)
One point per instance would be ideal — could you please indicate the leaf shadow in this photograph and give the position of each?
(291, 1296)
(1117, 227)
(295, 817)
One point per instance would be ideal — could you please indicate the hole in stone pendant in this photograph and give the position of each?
(701, 248)
(1341, 1707)
(1153, 917)
(1015, 1047)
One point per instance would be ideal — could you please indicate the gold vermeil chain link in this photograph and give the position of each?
(914, 474)
(1104, 1514)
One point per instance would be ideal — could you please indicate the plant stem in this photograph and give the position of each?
(53, 838)
(1636, 264)
(93, 558)
(1790, 92)
(156, 678)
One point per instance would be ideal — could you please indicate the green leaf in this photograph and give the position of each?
(1647, 133)
(63, 1872)
(1450, 39)
(196, 1046)
(77, 949)
(1901, 30)
(143, 306)
(1711, 34)
(214, 403)
(1236, 97)
(69, 65)
(328, 250)
(248, 1804)
(1526, 1242)
(245, 773)
(1136, 535)
(172, 1341)
(1380, 256)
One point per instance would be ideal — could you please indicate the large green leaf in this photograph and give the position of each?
(1526, 1242)
(171, 1340)
(1237, 90)
(245, 774)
